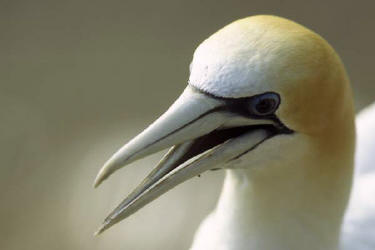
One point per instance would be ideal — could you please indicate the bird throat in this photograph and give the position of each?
(259, 214)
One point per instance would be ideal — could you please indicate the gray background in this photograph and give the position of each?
(79, 78)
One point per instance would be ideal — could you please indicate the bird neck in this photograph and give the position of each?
(283, 210)
(275, 215)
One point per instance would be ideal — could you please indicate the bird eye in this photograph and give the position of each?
(265, 104)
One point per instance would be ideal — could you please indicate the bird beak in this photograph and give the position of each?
(203, 133)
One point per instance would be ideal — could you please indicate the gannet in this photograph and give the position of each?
(269, 102)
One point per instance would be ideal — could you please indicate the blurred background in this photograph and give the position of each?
(71, 77)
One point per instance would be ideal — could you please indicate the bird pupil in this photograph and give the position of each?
(264, 106)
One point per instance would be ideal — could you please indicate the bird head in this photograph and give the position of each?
(263, 92)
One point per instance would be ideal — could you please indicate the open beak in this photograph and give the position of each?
(203, 133)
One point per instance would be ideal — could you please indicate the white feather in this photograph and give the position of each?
(359, 224)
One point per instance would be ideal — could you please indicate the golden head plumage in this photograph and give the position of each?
(262, 53)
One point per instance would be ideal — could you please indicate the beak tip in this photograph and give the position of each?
(98, 180)
(98, 232)
(103, 174)
(102, 228)
(109, 167)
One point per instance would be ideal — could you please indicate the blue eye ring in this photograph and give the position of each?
(264, 104)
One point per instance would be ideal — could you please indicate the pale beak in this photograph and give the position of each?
(204, 133)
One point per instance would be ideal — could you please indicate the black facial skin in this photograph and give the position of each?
(262, 106)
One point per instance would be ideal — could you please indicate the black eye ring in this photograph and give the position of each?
(264, 104)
